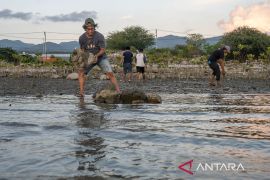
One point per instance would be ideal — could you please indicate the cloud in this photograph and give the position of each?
(256, 16)
(8, 14)
(73, 17)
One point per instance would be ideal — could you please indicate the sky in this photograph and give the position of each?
(62, 20)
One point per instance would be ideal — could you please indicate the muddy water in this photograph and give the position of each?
(63, 137)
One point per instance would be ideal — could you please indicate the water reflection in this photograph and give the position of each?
(79, 138)
(91, 145)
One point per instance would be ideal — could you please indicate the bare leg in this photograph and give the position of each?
(113, 81)
(124, 77)
(129, 76)
(143, 75)
(81, 82)
(138, 76)
(212, 80)
(219, 84)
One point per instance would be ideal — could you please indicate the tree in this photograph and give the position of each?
(9, 55)
(117, 40)
(135, 36)
(195, 44)
(247, 40)
(195, 40)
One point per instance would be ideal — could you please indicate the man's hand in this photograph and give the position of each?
(92, 59)
(95, 59)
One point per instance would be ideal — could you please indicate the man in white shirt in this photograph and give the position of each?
(140, 64)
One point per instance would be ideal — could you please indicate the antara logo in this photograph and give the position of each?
(211, 167)
(181, 166)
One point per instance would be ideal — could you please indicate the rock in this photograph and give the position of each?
(107, 96)
(73, 76)
(155, 68)
(153, 98)
(55, 76)
(126, 97)
(184, 63)
(137, 102)
(104, 77)
(39, 95)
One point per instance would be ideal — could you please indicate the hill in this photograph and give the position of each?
(63, 47)
(171, 41)
(67, 47)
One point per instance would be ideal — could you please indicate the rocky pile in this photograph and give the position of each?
(126, 97)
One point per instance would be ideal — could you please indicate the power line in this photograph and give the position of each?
(63, 33)
(64, 39)
(183, 33)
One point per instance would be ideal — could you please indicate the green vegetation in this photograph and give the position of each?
(135, 36)
(246, 41)
(247, 44)
(10, 56)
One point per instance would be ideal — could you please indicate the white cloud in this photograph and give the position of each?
(26, 16)
(256, 15)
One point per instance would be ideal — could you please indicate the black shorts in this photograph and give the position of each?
(216, 71)
(140, 69)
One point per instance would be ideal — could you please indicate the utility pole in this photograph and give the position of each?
(45, 46)
(156, 39)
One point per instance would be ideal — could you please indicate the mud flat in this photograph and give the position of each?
(12, 86)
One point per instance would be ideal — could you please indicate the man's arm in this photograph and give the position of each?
(221, 63)
(101, 52)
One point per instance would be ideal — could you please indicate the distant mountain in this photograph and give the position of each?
(171, 41)
(14, 44)
(67, 47)
(213, 40)
(63, 47)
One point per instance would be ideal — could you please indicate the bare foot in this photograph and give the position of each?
(80, 95)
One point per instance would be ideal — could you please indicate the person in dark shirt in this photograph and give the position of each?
(93, 43)
(127, 63)
(216, 59)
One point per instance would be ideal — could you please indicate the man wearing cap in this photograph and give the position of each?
(93, 42)
(216, 59)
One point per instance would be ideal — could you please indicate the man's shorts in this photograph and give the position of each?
(127, 67)
(140, 69)
(104, 65)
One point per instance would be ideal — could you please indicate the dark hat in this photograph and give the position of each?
(89, 21)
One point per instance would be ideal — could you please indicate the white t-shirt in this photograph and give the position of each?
(139, 60)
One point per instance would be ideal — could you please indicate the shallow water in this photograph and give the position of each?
(62, 137)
